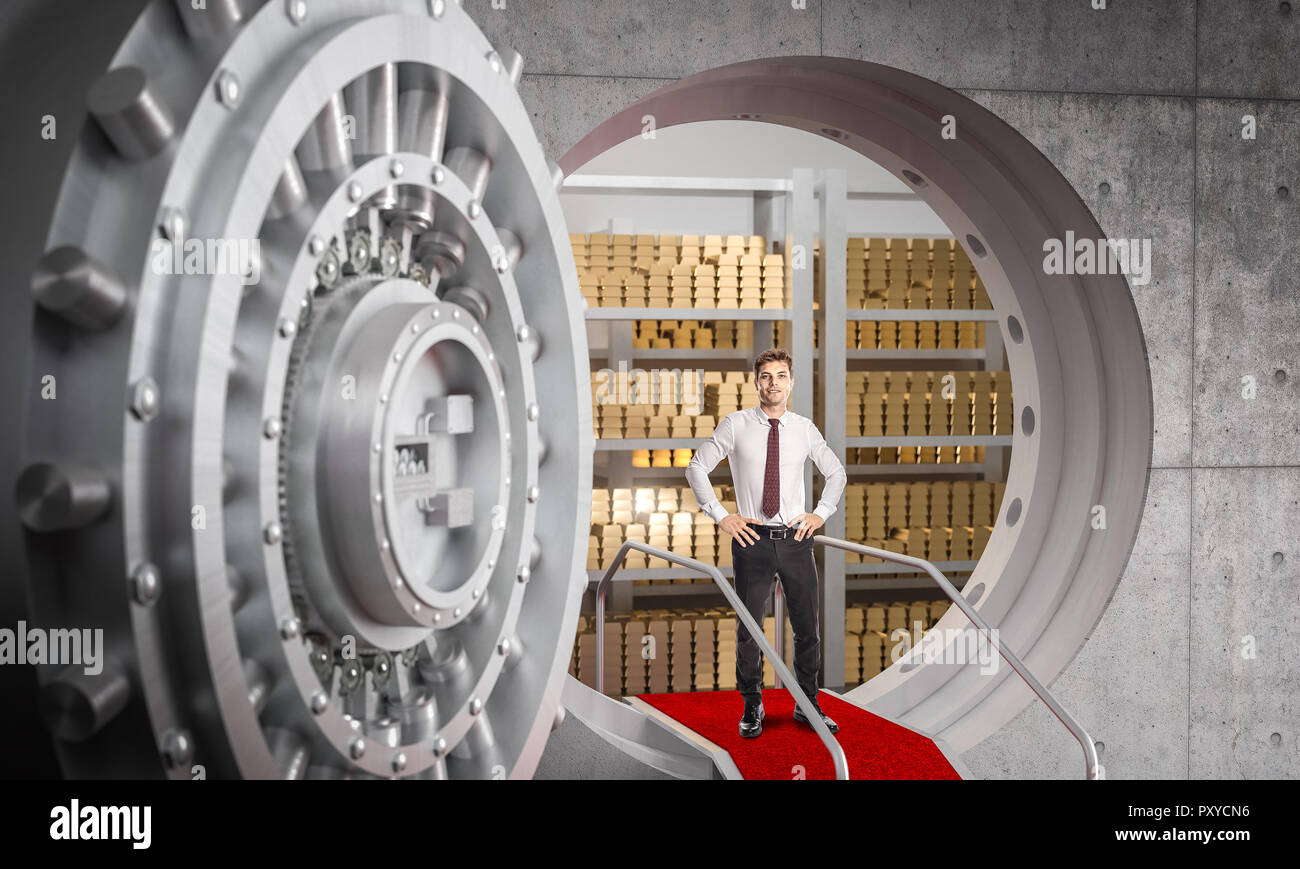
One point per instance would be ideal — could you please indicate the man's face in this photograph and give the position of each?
(774, 383)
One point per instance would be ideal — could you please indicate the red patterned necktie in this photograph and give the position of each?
(772, 475)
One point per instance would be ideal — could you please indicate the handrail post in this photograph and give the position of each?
(800, 698)
(778, 624)
(1076, 729)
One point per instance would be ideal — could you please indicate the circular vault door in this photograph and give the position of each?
(319, 459)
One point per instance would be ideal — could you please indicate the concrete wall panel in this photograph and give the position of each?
(1129, 684)
(637, 39)
(1247, 285)
(1058, 45)
(1246, 623)
(1248, 49)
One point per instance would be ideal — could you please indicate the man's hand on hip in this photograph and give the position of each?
(738, 528)
(807, 523)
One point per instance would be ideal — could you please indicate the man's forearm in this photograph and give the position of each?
(703, 489)
(832, 492)
(832, 469)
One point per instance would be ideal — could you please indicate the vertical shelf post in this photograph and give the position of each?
(801, 228)
(996, 459)
(832, 363)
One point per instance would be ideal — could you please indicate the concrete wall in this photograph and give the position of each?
(1144, 101)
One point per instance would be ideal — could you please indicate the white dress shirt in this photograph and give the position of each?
(742, 438)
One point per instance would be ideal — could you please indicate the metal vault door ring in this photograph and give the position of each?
(1076, 352)
(232, 124)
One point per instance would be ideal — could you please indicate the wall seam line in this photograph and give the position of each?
(1191, 483)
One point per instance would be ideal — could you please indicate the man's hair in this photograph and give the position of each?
(775, 354)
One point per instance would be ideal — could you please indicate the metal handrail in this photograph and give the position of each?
(800, 698)
(1076, 729)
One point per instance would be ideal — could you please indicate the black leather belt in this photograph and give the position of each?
(773, 532)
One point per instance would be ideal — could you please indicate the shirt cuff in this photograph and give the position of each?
(715, 510)
(823, 511)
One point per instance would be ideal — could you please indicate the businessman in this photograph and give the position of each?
(766, 447)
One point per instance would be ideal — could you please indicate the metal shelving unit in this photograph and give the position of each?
(782, 212)
(928, 355)
(929, 441)
(688, 314)
(624, 444)
(703, 354)
(791, 213)
(946, 469)
(977, 315)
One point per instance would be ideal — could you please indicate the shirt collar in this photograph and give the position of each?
(783, 419)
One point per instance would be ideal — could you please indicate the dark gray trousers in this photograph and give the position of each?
(755, 565)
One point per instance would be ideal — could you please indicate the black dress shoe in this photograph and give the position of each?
(751, 723)
(826, 719)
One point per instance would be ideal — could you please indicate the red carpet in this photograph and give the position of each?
(874, 747)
